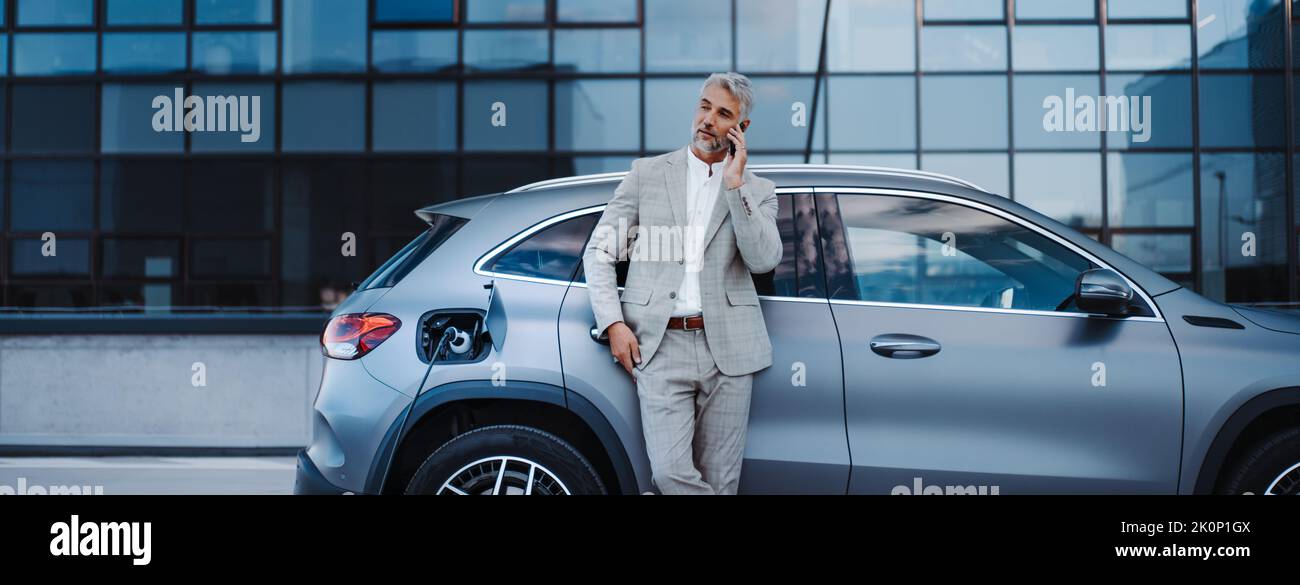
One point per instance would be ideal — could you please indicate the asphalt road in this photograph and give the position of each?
(147, 475)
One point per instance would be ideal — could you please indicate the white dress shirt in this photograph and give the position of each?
(702, 183)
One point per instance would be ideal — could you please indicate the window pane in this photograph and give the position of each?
(1058, 111)
(1236, 34)
(230, 196)
(1055, 9)
(258, 117)
(423, 50)
(128, 12)
(1064, 187)
(52, 195)
(871, 35)
(897, 251)
(235, 11)
(1243, 226)
(597, 114)
(552, 253)
(415, 10)
(1168, 254)
(1140, 47)
(964, 48)
(231, 258)
(986, 170)
(964, 112)
(156, 295)
(963, 9)
(144, 52)
(324, 35)
(322, 200)
(54, 118)
(54, 53)
(506, 10)
(496, 174)
(878, 113)
(1242, 110)
(141, 258)
(505, 115)
(775, 124)
(596, 10)
(1168, 121)
(56, 12)
(505, 49)
(670, 105)
(1147, 8)
(779, 35)
(62, 295)
(598, 50)
(413, 116)
(1150, 189)
(591, 165)
(229, 295)
(141, 196)
(398, 188)
(673, 41)
(72, 258)
(1058, 48)
(324, 116)
(224, 53)
(127, 123)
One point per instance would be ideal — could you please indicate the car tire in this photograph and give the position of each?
(1270, 466)
(536, 463)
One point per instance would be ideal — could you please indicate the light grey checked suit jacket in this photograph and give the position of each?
(741, 237)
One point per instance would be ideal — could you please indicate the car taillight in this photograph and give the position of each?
(350, 336)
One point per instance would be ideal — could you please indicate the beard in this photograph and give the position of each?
(714, 144)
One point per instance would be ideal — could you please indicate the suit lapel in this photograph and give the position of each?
(675, 183)
(720, 211)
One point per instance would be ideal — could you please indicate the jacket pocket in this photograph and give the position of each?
(636, 296)
(742, 297)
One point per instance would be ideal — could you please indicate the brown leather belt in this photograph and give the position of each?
(690, 323)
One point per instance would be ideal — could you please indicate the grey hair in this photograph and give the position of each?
(736, 84)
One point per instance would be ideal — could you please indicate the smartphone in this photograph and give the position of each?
(743, 126)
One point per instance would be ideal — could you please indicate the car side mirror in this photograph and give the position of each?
(1104, 291)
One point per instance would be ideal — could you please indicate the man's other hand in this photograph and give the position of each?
(622, 344)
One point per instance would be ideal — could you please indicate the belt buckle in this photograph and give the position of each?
(686, 323)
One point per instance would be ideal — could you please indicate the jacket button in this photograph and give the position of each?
(672, 295)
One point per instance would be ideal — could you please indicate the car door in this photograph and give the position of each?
(796, 441)
(962, 376)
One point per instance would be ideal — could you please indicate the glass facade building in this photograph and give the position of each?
(1166, 129)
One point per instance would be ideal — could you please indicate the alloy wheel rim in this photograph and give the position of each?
(504, 475)
(1286, 483)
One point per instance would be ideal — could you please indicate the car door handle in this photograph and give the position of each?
(597, 337)
(904, 346)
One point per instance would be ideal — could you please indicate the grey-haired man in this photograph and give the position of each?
(688, 325)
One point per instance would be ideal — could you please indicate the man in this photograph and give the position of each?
(688, 326)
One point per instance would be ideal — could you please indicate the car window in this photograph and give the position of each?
(552, 252)
(922, 251)
(783, 280)
(391, 272)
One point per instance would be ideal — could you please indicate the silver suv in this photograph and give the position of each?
(929, 337)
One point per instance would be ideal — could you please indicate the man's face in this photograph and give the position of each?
(716, 114)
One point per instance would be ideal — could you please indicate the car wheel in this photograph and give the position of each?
(506, 460)
(1271, 467)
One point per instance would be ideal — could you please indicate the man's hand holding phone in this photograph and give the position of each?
(734, 168)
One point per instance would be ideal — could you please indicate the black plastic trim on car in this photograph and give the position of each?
(1217, 322)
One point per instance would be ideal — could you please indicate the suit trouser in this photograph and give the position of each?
(694, 417)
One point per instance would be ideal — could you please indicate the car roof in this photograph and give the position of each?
(534, 202)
